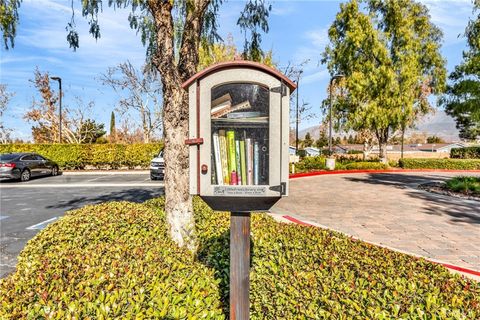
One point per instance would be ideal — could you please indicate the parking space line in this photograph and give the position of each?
(90, 180)
(82, 185)
(3, 217)
(41, 225)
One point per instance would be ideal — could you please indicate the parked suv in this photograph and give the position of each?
(157, 167)
(23, 166)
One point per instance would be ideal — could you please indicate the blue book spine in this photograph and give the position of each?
(256, 156)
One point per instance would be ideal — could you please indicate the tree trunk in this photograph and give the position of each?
(382, 138)
(178, 202)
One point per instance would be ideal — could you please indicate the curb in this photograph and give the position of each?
(472, 274)
(320, 173)
(109, 173)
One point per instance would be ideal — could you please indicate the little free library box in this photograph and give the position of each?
(239, 135)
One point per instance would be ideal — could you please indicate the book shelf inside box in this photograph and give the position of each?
(240, 153)
(224, 123)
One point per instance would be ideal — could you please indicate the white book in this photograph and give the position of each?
(218, 163)
(249, 154)
(256, 158)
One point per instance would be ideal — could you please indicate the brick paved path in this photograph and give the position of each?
(388, 209)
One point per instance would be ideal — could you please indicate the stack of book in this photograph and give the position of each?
(237, 158)
(222, 106)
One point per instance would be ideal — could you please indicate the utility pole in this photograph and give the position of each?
(298, 118)
(60, 108)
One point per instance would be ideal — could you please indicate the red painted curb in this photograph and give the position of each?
(446, 265)
(320, 173)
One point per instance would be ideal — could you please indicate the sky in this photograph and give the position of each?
(298, 32)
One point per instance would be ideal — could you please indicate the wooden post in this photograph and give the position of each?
(239, 265)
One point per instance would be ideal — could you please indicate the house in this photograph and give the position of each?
(291, 150)
(311, 152)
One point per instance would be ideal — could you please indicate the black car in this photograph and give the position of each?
(23, 166)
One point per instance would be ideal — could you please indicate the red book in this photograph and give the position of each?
(233, 178)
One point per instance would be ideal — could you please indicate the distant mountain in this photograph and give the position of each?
(438, 124)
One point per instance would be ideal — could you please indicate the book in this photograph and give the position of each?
(249, 154)
(226, 109)
(245, 114)
(217, 157)
(263, 120)
(221, 100)
(243, 164)
(220, 109)
(239, 166)
(232, 160)
(256, 161)
(223, 156)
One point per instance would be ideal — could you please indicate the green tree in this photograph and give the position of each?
(172, 32)
(434, 139)
(389, 53)
(308, 141)
(90, 131)
(113, 130)
(323, 138)
(462, 99)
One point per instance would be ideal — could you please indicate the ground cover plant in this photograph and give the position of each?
(115, 260)
(468, 185)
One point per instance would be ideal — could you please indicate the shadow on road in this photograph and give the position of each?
(133, 195)
(460, 211)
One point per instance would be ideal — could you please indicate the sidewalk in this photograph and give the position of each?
(387, 209)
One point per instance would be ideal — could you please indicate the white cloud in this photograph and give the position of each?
(315, 77)
(451, 17)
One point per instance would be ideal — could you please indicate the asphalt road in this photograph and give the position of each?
(26, 208)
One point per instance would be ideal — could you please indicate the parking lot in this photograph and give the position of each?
(27, 207)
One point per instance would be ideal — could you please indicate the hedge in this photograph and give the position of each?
(99, 156)
(452, 164)
(115, 261)
(362, 165)
(319, 163)
(465, 153)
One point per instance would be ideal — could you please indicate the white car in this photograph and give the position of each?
(157, 167)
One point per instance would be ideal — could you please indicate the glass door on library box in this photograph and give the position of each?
(247, 147)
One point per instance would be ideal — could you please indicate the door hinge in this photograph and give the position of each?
(282, 89)
(282, 188)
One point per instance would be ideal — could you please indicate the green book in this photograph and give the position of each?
(232, 162)
(243, 163)
(223, 156)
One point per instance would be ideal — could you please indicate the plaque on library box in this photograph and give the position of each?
(239, 135)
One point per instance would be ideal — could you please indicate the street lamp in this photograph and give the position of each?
(60, 103)
(337, 76)
(298, 119)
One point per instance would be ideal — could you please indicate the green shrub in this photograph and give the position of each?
(453, 164)
(362, 165)
(100, 156)
(465, 153)
(118, 256)
(114, 261)
(311, 164)
(464, 184)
